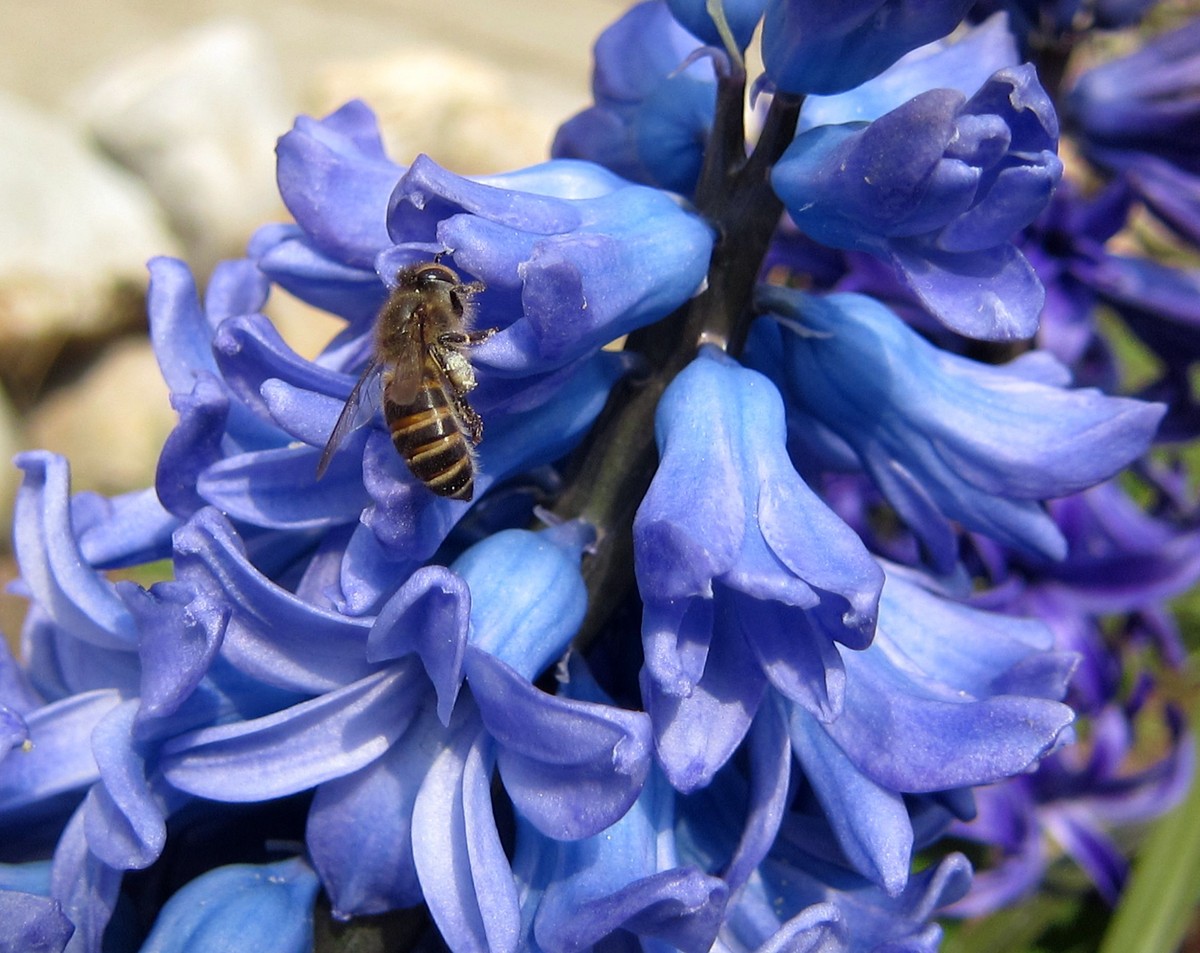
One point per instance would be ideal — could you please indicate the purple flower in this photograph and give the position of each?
(746, 576)
(946, 438)
(937, 188)
(946, 697)
(651, 117)
(812, 47)
(1138, 116)
(1076, 801)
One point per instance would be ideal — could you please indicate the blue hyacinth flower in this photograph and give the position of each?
(402, 760)
(652, 113)
(746, 576)
(814, 47)
(946, 438)
(946, 697)
(937, 188)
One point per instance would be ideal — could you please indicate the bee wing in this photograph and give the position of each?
(408, 365)
(359, 407)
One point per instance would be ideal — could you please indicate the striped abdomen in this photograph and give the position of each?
(429, 437)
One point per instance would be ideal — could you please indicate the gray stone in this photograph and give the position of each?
(74, 239)
(197, 118)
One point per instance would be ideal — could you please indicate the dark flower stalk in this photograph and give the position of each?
(610, 472)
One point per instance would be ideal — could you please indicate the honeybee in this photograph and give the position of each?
(420, 335)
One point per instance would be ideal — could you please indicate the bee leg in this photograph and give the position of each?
(461, 339)
(471, 422)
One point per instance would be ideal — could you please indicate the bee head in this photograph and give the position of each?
(427, 276)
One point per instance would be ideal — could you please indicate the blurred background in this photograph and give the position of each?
(134, 128)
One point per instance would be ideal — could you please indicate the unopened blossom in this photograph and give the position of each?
(267, 908)
(937, 188)
(653, 109)
(814, 47)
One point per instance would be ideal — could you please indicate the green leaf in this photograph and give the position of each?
(1160, 898)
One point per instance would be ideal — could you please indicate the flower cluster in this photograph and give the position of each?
(741, 616)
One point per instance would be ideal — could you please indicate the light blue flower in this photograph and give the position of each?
(747, 577)
(946, 438)
(267, 907)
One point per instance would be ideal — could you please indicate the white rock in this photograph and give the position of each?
(197, 119)
(111, 422)
(458, 109)
(75, 235)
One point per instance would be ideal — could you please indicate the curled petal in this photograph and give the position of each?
(179, 329)
(271, 634)
(950, 697)
(75, 596)
(124, 821)
(58, 757)
(127, 530)
(196, 443)
(870, 821)
(571, 767)
(341, 154)
(181, 634)
(429, 615)
(696, 733)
